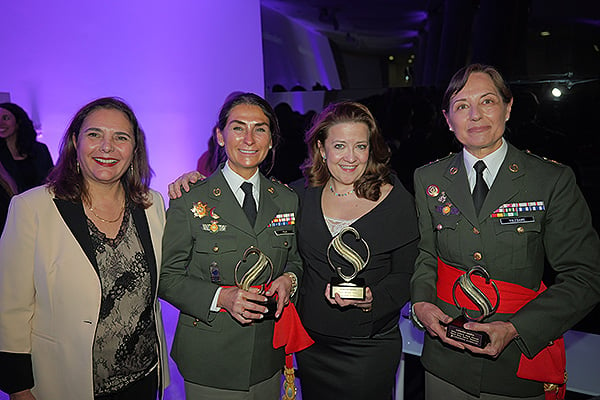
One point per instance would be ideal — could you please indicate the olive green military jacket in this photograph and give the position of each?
(512, 249)
(206, 234)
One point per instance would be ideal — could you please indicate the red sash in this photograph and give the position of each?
(288, 332)
(549, 364)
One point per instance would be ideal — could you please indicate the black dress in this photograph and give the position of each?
(356, 353)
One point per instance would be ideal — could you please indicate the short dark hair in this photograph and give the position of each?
(66, 181)
(235, 99)
(460, 78)
(26, 134)
(377, 172)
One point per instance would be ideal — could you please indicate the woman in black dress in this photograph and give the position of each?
(348, 184)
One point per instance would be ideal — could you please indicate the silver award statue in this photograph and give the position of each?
(252, 274)
(455, 329)
(347, 286)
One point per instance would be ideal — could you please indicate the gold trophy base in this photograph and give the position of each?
(455, 330)
(353, 290)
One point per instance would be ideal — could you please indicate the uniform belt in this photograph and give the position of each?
(549, 364)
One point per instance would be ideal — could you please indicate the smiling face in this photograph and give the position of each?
(478, 116)
(105, 146)
(8, 124)
(346, 152)
(247, 139)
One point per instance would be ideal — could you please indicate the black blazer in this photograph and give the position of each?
(391, 232)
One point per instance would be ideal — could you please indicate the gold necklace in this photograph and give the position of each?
(108, 221)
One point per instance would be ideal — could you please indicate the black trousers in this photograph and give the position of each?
(350, 369)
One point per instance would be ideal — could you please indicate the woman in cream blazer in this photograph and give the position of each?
(50, 279)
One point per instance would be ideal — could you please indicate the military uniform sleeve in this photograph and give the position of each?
(573, 250)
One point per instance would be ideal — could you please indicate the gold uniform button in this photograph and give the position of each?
(475, 231)
(477, 256)
(439, 227)
(216, 249)
(520, 229)
(285, 243)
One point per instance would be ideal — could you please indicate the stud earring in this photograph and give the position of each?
(78, 170)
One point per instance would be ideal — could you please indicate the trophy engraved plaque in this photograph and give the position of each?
(455, 329)
(347, 286)
(257, 270)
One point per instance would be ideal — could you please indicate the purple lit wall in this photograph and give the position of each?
(174, 62)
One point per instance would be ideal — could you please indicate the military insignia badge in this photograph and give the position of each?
(282, 220)
(513, 209)
(447, 209)
(442, 197)
(433, 190)
(214, 227)
(199, 210)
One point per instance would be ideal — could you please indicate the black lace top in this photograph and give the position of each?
(125, 347)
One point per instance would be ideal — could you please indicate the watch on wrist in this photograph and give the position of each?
(294, 280)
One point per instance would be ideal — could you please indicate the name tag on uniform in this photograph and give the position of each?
(284, 232)
(516, 220)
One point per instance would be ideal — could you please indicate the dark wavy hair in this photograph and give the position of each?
(26, 134)
(460, 78)
(66, 181)
(377, 172)
(237, 98)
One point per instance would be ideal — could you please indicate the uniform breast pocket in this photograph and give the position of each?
(216, 244)
(518, 244)
(281, 242)
(212, 255)
(445, 228)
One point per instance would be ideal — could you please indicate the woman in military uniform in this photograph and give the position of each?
(223, 343)
(529, 209)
